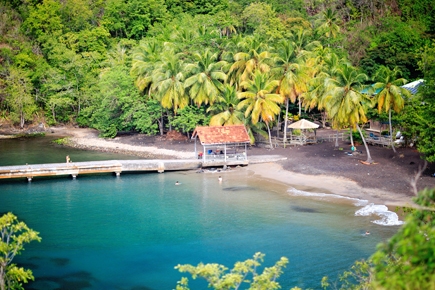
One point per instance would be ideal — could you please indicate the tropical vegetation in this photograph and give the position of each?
(13, 235)
(135, 65)
(150, 66)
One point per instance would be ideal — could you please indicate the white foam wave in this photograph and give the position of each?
(356, 201)
(387, 218)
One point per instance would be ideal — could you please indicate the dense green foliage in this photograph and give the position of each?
(243, 273)
(133, 65)
(13, 235)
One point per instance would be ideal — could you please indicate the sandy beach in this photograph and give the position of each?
(321, 184)
(314, 168)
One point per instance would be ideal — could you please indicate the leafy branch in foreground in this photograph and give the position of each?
(243, 272)
(14, 234)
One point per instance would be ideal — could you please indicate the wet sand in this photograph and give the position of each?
(317, 168)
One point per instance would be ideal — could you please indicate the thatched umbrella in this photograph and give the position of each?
(304, 125)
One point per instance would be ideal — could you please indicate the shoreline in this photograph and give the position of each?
(322, 184)
(85, 138)
(304, 169)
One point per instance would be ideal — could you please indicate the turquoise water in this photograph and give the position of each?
(42, 150)
(104, 232)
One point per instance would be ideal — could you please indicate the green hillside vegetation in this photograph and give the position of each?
(139, 65)
(150, 66)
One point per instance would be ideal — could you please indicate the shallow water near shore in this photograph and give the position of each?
(103, 232)
(37, 150)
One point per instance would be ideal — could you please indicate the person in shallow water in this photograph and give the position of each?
(367, 233)
(177, 183)
(220, 179)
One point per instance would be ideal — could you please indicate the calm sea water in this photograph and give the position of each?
(103, 232)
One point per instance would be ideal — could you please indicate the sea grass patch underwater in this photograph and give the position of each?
(61, 141)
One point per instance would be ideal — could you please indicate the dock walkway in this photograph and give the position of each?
(74, 169)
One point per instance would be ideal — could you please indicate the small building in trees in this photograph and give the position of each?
(224, 145)
(379, 126)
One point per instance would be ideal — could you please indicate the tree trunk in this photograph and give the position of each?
(2, 277)
(351, 139)
(391, 131)
(336, 139)
(285, 121)
(324, 117)
(277, 125)
(270, 136)
(300, 107)
(79, 107)
(22, 120)
(169, 120)
(369, 157)
(2, 282)
(53, 113)
(161, 122)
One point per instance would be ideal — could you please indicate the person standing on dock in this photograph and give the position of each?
(68, 160)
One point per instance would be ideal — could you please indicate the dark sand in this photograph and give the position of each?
(389, 177)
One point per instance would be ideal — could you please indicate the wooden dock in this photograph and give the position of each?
(112, 166)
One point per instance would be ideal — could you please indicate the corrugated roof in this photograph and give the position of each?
(221, 134)
(413, 86)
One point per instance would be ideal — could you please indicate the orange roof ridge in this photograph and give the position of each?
(209, 135)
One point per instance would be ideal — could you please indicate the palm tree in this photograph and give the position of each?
(207, 76)
(390, 95)
(168, 82)
(292, 75)
(253, 55)
(302, 41)
(328, 24)
(259, 101)
(224, 110)
(145, 58)
(226, 23)
(326, 65)
(345, 102)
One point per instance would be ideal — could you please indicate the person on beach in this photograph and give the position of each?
(220, 179)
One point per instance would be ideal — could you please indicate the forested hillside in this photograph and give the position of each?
(153, 65)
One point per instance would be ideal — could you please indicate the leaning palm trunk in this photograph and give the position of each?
(285, 121)
(369, 157)
(270, 135)
(391, 131)
(352, 145)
